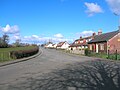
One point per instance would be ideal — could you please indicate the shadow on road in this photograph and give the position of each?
(95, 75)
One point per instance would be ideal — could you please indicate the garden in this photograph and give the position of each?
(113, 56)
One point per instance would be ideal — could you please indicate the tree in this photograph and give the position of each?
(17, 43)
(0, 42)
(4, 41)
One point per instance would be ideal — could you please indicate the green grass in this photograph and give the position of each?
(119, 57)
(4, 56)
(100, 55)
(104, 55)
(4, 52)
(113, 56)
(16, 48)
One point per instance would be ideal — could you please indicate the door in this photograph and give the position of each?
(96, 48)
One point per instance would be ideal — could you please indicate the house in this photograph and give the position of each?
(54, 45)
(49, 45)
(81, 43)
(63, 45)
(104, 42)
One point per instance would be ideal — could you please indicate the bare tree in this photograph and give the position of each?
(17, 43)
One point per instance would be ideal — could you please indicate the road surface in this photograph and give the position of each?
(49, 60)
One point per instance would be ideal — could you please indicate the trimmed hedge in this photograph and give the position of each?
(23, 53)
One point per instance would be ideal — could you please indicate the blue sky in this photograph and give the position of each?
(38, 21)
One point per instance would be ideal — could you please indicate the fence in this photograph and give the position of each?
(115, 55)
(4, 56)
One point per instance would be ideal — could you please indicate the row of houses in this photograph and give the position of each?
(60, 45)
(99, 43)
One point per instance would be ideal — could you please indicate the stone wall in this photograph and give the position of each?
(78, 51)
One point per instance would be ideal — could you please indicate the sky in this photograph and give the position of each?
(40, 21)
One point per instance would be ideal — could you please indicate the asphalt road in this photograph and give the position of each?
(49, 60)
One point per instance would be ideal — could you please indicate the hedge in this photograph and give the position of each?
(23, 53)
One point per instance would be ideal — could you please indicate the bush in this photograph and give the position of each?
(23, 53)
(87, 52)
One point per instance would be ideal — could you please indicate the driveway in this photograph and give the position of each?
(48, 61)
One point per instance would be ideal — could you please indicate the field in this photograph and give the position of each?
(16, 48)
(5, 52)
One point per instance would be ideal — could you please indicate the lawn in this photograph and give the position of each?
(16, 48)
(5, 52)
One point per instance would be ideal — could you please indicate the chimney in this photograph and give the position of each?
(80, 37)
(119, 28)
(99, 32)
(94, 34)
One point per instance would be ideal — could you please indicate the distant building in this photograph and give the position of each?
(104, 42)
(48, 45)
(63, 45)
(54, 45)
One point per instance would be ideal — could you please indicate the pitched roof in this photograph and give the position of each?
(84, 38)
(79, 44)
(60, 44)
(103, 37)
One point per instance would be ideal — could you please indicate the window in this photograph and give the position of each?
(90, 39)
(81, 41)
(90, 47)
(101, 46)
(87, 40)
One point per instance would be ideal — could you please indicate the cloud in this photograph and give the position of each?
(37, 39)
(14, 37)
(114, 6)
(35, 36)
(85, 33)
(93, 8)
(13, 32)
(10, 29)
(58, 35)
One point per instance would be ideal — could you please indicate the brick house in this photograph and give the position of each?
(104, 42)
(81, 43)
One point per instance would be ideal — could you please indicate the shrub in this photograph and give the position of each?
(87, 52)
(23, 53)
